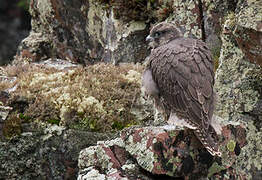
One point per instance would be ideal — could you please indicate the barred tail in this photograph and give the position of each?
(208, 141)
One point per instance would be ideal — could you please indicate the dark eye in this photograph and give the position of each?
(157, 34)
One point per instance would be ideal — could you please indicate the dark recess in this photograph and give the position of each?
(15, 24)
(202, 25)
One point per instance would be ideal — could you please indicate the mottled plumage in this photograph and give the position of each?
(180, 78)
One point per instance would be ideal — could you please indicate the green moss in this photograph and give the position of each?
(173, 134)
(170, 173)
(158, 167)
(53, 121)
(25, 118)
(118, 125)
(92, 124)
(174, 168)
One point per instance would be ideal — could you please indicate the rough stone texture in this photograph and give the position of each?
(4, 110)
(42, 150)
(212, 17)
(162, 152)
(248, 30)
(245, 25)
(37, 150)
(108, 31)
(81, 31)
(88, 31)
(187, 15)
(243, 21)
(238, 85)
(44, 153)
(34, 47)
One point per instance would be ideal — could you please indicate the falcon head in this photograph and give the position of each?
(162, 33)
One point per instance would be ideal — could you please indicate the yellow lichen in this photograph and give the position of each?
(230, 22)
(231, 145)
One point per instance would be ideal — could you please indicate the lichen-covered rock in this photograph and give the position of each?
(213, 14)
(81, 31)
(238, 86)
(34, 47)
(162, 151)
(34, 156)
(245, 26)
(111, 31)
(188, 16)
(248, 30)
(31, 114)
(88, 31)
(237, 81)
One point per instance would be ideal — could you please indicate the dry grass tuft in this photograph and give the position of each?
(97, 98)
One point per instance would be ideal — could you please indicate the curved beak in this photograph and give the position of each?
(149, 38)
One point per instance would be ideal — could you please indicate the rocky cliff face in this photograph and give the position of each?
(239, 80)
(114, 31)
(82, 32)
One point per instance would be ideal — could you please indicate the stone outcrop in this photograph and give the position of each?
(247, 30)
(47, 152)
(161, 152)
(239, 82)
(90, 31)
(81, 32)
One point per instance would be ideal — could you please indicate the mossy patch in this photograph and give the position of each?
(97, 98)
(53, 121)
(24, 117)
